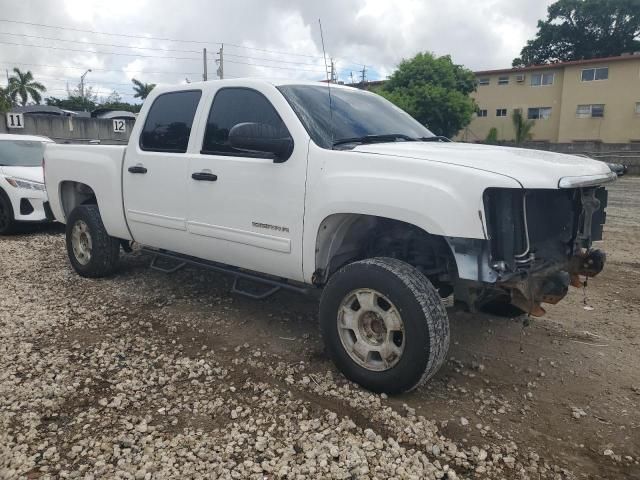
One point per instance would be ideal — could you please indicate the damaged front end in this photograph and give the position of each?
(540, 243)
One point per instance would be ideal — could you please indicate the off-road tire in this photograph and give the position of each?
(7, 220)
(425, 321)
(105, 249)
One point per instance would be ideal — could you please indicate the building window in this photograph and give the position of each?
(482, 113)
(590, 111)
(539, 113)
(501, 112)
(637, 108)
(538, 79)
(591, 74)
(483, 81)
(503, 80)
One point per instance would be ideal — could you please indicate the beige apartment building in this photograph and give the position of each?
(587, 100)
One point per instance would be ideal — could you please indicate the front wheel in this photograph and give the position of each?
(92, 252)
(384, 325)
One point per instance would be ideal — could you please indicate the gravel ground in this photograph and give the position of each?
(146, 375)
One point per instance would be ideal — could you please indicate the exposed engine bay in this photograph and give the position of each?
(540, 243)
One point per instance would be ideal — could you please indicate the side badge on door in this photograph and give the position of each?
(266, 226)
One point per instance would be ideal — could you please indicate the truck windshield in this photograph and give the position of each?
(21, 153)
(356, 115)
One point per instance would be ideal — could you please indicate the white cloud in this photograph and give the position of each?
(378, 33)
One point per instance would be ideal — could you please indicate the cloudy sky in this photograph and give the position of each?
(161, 41)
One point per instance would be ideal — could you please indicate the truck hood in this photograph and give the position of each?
(35, 174)
(530, 168)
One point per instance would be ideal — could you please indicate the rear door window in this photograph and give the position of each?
(169, 121)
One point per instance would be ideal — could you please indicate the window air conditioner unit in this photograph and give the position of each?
(520, 78)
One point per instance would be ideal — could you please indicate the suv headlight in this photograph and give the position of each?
(25, 184)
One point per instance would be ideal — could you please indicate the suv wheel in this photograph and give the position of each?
(7, 221)
(92, 252)
(384, 325)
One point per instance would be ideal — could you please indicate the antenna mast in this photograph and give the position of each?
(326, 69)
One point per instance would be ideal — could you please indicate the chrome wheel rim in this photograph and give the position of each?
(371, 330)
(81, 242)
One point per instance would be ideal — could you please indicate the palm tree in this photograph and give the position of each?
(22, 85)
(142, 90)
(521, 126)
(5, 101)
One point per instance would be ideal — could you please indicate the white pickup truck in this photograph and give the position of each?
(294, 186)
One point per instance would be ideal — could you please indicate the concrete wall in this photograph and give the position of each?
(624, 153)
(70, 129)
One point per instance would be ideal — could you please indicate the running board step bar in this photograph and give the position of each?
(181, 261)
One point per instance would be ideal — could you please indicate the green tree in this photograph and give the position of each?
(127, 107)
(583, 29)
(142, 90)
(492, 136)
(114, 97)
(521, 126)
(76, 100)
(72, 102)
(5, 101)
(435, 91)
(21, 84)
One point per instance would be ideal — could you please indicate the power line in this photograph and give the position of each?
(275, 66)
(318, 58)
(142, 37)
(273, 51)
(121, 70)
(104, 33)
(97, 91)
(99, 44)
(260, 59)
(139, 48)
(40, 75)
(97, 52)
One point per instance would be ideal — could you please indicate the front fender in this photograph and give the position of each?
(439, 198)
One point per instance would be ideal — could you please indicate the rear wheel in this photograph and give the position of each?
(92, 252)
(384, 325)
(7, 219)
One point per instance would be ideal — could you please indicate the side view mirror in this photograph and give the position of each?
(260, 137)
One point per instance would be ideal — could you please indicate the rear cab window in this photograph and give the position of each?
(168, 124)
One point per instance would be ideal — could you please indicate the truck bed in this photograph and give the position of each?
(77, 166)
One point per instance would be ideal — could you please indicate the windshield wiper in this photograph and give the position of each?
(435, 138)
(389, 137)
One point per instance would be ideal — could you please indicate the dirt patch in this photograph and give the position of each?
(147, 364)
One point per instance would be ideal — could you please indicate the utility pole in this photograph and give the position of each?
(204, 64)
(221, 62)
(363, 77)
(82, 88)
(351, 77)
(332, 77)
(7, 70)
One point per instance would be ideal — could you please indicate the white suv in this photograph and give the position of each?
(22, 191)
